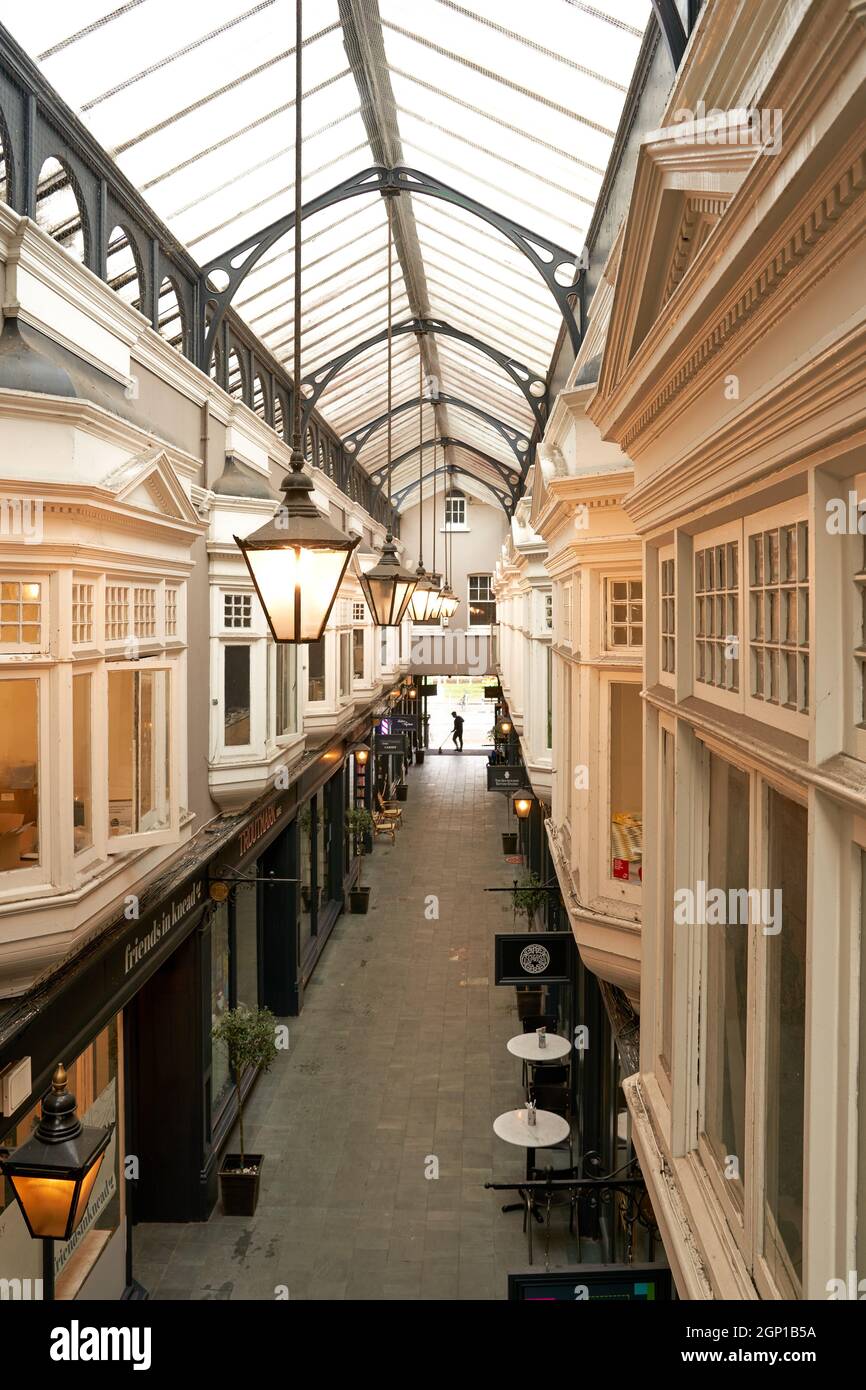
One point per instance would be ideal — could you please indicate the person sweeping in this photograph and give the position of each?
(457, 731)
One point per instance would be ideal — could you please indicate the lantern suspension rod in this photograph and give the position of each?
(420, 457)
(297, 461)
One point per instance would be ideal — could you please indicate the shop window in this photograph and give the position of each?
(482, 605)
(307, 873)
(316, 670)
(717, 617)
(82, 762)
(779, 616)
(668, 617)
(358, 653)
(785, 1046)
(221, 1080)
(237, 610)
(236, 696)
(287, 689)
(624, 613)
(82, 614)
(727, 977)
(246, 943)
(21, 615)
(19, 773)
(455, 510)
(171, 611)
(345, 666)
(626, 745)
(139, 769)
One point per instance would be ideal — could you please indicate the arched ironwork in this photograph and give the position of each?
(517, 440)
(560, 269)
(509, 475)
(532, 386)
(502, 498)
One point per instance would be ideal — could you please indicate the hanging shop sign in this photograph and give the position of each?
(583, 1283)
(505, 777)
(493, 692)
(391, 743)
(428, 688)
(404, 723)
(538, 957)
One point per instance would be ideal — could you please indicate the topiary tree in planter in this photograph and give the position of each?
(250, 1040)
(359, 824)
(527, 896)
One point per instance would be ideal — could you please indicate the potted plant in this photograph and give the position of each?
(249, 1036)
(527, 897)
(359, 823)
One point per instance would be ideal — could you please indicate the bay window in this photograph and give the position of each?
(345, 665)
(625, 734)
(667, 888)
(358, 653)
(286, 659)
(316, 670)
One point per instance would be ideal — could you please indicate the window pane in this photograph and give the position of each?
(221, 1081)
(626, 743)
(19, 775)
(345, 669)
(246, 943)
(81, 763)
(138, 752)
(727, 957)
(287, 689)
(785, 1042)
(237, 696)
(305, 859)
(358, 653)
(316, 670)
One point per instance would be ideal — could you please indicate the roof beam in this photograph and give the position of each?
(365, 47)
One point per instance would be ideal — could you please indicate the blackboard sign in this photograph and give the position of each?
(586, 1283)
(536, 957)
(493, 692)
(404, 723)
(505, 777)
(428, 688)
(390, 743)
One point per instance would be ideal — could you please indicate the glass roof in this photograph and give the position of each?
(514, 105)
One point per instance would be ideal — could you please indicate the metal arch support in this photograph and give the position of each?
(532, 386)
(358, 439)
(672, 28)
(511, 478)
(501, 497)
(221, 277)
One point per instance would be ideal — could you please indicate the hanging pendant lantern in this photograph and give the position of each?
(297, 560)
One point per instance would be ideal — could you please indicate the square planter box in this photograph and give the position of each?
(240, 1189)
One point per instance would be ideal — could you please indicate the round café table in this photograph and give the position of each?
(514, 1128)
(525, 1046)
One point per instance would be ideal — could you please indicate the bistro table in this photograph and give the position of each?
(525, 1046)
(515, 1128)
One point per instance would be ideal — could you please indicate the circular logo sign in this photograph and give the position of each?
(534, 959)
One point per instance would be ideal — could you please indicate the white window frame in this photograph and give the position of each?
(144, 839)
(448, 524)
(616, 889)
(667, 555)
(666, 821)
(44, 649)
(721, 535)
(43, 874)
(792, 721)
(492, 599)
(608, 645)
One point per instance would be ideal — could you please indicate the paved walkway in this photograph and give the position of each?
(398, 1059)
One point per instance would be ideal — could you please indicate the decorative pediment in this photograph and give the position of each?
(683, 184)
(148, 483)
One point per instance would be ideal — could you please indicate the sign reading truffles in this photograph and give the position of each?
(538, 957)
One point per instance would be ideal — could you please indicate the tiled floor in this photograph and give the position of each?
(397, 1060)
